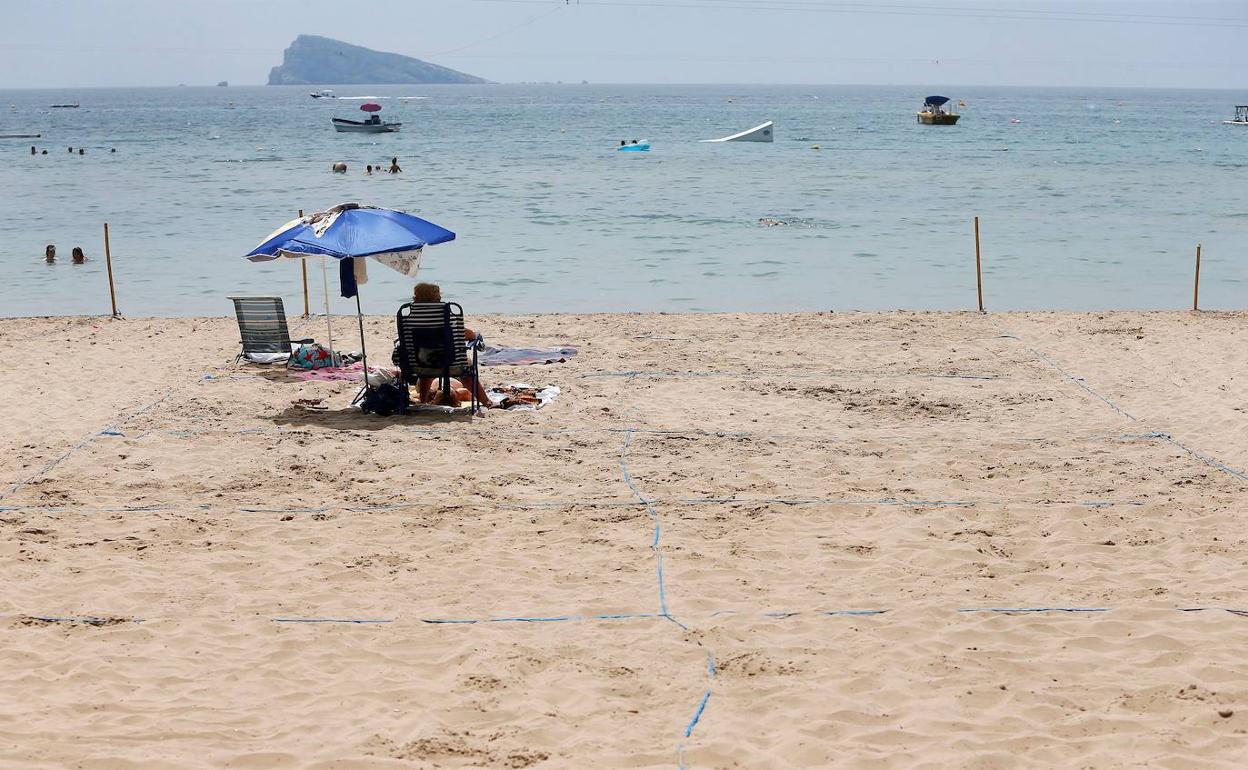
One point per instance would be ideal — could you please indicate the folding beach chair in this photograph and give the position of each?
(262, 326)
(431, 344)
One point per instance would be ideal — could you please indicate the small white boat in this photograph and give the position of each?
(1241, 116)
(763, 133)
(371, 126)
(323, 94)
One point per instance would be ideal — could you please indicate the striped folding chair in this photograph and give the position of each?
(431, 344)
(262, 326)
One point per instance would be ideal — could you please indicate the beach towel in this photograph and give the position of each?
(334, 373)
(506, 356)
(521, 396)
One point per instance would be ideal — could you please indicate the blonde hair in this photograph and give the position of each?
(426, 292)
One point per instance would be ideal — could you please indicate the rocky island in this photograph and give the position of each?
(312, 59)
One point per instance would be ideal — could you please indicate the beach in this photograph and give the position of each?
(739, 540)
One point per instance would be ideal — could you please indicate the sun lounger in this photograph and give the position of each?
(431, 344)
(262, 326)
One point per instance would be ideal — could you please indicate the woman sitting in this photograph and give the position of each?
(428, 389)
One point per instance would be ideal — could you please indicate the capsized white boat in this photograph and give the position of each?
(763, 133)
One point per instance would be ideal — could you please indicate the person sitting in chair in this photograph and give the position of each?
(429, 387)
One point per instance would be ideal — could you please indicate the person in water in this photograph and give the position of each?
(394, 166)
(49, 254)
(78, 257)
(461, 389)
(368, 170)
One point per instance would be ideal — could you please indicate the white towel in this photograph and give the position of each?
(360, 266)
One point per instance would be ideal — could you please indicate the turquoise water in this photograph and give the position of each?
(1098, 202)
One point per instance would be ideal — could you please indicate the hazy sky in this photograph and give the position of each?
(1198, 43)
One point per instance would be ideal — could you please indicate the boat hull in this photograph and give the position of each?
(1235, 122)
(762, 133)
(944, 119)
(353, 127)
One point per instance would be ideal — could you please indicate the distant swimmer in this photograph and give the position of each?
(49, 254)
(81, 151)
(113, 150)
(45, 152)
(394, 166)
(32, 150)
(71, 149)
(766, 222)
(368, 170)
(77, 256)
(339, 168)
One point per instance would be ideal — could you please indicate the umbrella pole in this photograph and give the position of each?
(329, 327)
(359, 314)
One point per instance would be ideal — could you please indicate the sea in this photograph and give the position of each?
(1087, 198)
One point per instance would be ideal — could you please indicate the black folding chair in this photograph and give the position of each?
(431, 344)
(262, 326)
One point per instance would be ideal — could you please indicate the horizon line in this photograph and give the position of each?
(629, 83)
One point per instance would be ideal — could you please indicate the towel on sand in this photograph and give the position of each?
(506, 356)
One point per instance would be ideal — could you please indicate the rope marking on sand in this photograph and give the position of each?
(112, 429)
(1082, 383)
(711, 669)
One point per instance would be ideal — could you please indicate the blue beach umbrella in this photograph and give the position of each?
(351, 231)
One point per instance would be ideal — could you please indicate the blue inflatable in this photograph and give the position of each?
(643, 147)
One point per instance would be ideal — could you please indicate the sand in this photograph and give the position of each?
(802, 470)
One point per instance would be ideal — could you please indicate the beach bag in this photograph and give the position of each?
(385, 399)
(313, 356)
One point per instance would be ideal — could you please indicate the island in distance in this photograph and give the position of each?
(312, 59)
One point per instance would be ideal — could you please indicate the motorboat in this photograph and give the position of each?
(636, 146)
(373, 125)
(1241, 116)
(760, 133)
(323, 94)
(935, 114)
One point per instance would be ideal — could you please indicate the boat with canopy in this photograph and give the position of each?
(934, 112)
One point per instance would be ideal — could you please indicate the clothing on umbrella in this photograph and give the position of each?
(346, 277)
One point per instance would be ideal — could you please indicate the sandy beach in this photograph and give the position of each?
(733, 541)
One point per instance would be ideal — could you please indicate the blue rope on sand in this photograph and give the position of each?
(697, 714)
(1034, 609)
(331, 620)
(1241, 613)
(89, 620)
(541, 619)
(1206, 459)
(658, 527)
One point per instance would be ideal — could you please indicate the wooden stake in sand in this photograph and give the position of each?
(979, 277)
(108, 260)
(1196, 288)
(303, 266)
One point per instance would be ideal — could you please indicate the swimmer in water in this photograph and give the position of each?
(49, 254)
(394, 166)
(77, 256)
(368, 170)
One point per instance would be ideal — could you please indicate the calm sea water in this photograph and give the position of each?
(1098, 202)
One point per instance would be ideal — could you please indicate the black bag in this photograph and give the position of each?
(385, 399)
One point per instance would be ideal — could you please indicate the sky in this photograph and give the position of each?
(1121, 43)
